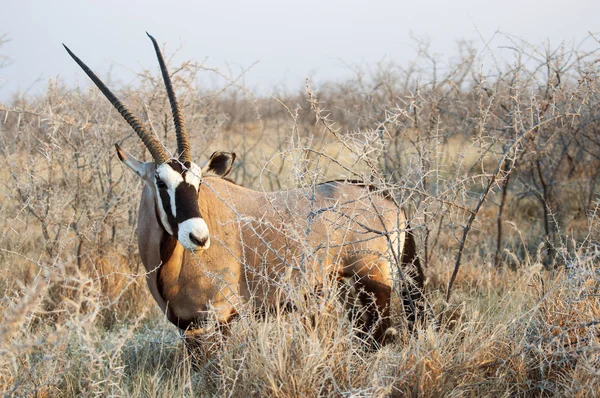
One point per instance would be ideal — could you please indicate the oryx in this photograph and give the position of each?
(210, 246)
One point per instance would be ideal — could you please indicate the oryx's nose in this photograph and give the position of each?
(198, 241)
(193, 234)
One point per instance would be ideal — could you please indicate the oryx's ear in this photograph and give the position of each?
(219, 164)
(140, 168)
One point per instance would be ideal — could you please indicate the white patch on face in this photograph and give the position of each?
(172, 179)
(194, 176)
(198, 229)
(196, 226)
(164, 220)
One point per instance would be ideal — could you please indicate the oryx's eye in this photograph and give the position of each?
(160, 183)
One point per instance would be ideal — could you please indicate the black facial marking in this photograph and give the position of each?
(186, 199)
(165, 200)
(160, 183)
(175, 165)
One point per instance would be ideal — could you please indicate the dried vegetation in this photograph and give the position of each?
(500, 165)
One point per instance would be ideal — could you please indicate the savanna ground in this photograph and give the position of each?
(500, 165)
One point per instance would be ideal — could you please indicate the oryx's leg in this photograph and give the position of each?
(203, 341)
(413, 281)
(371, 279)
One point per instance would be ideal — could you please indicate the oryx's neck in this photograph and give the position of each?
(171, 258)
(171, 269)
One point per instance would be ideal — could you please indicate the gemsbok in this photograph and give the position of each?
(210, 246)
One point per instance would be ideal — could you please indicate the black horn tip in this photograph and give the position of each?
(75, 57)
(151, 37)
(67, 48)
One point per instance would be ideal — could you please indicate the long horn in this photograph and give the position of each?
(155, 148)
(183, 145)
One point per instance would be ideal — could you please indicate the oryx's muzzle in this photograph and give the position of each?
(193, 234)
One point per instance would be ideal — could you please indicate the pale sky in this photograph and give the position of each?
(290, 40)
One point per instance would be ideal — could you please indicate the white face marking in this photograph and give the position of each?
(165, 220)
(198, 229)
(194, 175)
(192, 233)
(172, 179)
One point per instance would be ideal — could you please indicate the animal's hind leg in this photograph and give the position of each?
(372, 281)
(414, 280)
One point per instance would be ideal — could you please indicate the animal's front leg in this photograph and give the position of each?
(203, 342)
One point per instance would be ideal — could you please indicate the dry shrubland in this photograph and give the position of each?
(499, 169)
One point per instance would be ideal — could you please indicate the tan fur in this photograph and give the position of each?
(258, 240)
(253, 241)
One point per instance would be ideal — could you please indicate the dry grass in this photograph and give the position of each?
(77, 318)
